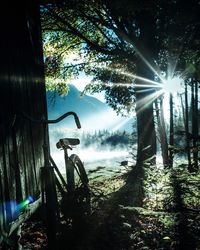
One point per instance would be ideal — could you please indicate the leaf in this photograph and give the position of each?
(166, 238)
(190, 68)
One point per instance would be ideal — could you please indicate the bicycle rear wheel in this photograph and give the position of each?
(76, 174)
(77, 201)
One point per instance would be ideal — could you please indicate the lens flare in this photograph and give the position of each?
(23, 204)
(13, 209)
(30, 199)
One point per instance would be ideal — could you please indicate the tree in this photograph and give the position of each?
(162, 131)
(194, 105)
(187, 128)
(116, 41)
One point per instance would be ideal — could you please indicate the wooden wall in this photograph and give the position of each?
(21, 89)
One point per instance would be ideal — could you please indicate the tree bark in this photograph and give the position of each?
(146, 56)
(162, 132)
(187, 128)
(146, 151)
(171, 132)
(194, 104)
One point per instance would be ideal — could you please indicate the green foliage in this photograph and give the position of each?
(190, 68)
(157, 186)
(174, 193)
(189, 184)
(104, 139)
(57, 85)
(117, 139)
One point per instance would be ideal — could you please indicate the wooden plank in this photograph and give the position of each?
(28, 211)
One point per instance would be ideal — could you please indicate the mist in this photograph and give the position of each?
(96, 149)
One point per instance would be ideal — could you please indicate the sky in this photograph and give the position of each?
(82, 81)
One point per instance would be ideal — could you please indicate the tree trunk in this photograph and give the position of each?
(194, 104)
(146, 56)
(187, 128)
(162, 132)
(146, 151)
(197, 122)
(171, 131)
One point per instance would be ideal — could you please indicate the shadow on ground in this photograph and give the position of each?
(117, 223)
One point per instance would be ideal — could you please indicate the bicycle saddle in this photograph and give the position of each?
(67, 142)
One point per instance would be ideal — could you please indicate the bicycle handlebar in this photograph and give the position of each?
(45, 121)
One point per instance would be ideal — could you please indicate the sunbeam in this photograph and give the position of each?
(117, 84)
(154, 84)
(171, 67)
(120, 124)
(144, 90)
(167, 83)
(144, 102)
(120, 72)
(148, 64)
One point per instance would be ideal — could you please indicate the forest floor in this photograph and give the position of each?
(116, 221)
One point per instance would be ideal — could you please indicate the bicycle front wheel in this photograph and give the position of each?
(76, 174)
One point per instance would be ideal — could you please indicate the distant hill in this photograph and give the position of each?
(84, 106)
(93, 113)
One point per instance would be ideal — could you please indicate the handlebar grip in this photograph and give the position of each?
(78, 124)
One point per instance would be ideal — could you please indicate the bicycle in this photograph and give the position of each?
(50, 176)
(78, 195)
(73, 165)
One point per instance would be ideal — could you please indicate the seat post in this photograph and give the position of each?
(65, 152)
(66, 158)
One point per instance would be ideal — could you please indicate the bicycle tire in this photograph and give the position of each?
(76, 174)
(76, 204)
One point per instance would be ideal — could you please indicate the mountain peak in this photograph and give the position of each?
(83, 105)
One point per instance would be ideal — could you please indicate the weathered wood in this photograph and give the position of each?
(22, 89)
(28, 211)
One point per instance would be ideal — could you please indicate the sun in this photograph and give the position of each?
(172, 85)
